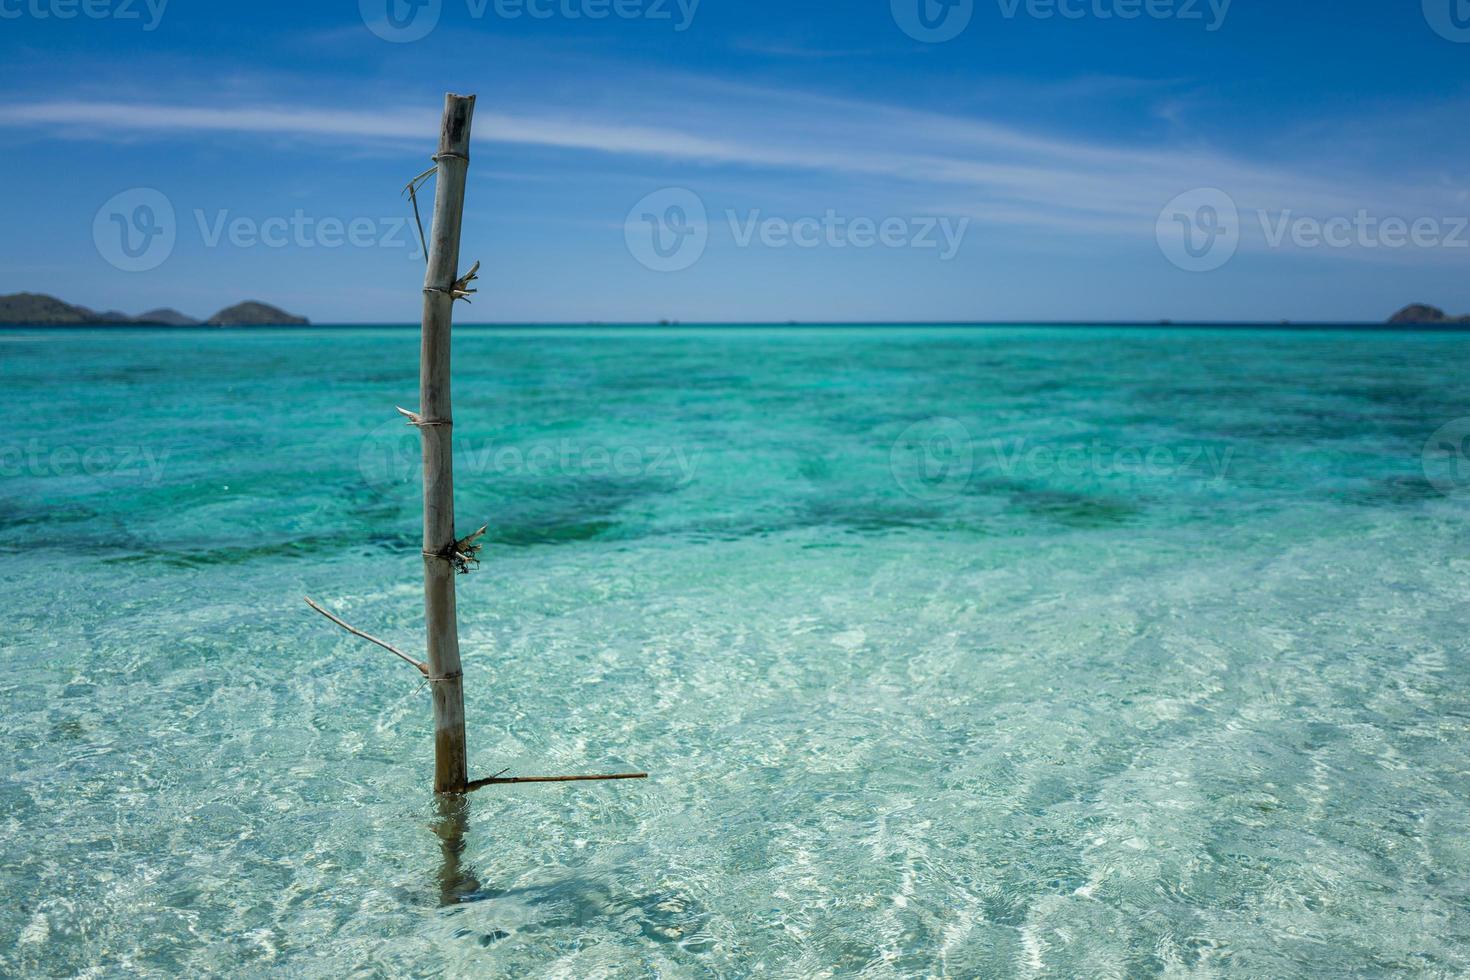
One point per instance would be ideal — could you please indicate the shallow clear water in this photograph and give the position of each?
(965, 652)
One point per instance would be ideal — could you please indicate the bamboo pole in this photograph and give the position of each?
(444, 555)
(436, 426)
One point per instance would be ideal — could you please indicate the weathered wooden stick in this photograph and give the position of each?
(436, 427)
(497, 781)
(423, 668)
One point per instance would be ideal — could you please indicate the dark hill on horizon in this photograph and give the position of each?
(40, 310)
(1419, 313)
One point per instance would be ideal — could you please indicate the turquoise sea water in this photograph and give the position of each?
(998, 652)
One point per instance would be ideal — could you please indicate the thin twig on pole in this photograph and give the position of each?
(423, 668)
(412, 190)
(496, 781)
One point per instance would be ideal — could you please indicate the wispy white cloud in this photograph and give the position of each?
(1000, 173)
(797, 49)
(134, 116)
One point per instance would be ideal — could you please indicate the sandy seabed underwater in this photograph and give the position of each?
(964, 652)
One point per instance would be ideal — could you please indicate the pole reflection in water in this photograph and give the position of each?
(456, 879)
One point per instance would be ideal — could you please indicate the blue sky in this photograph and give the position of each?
(1045, 162)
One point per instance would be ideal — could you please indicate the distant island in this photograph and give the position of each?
(1422, 313)
(39, 310)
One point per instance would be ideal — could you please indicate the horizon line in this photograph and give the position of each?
(1451, 326)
